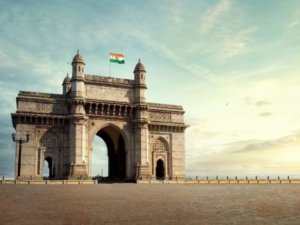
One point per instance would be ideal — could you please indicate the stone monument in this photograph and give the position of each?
(144, 140)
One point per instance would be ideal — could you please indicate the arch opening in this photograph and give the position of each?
(160, 169)
(49, 168)
(116, 155)
(99, 167)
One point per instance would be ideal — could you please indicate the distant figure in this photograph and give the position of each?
(226, 103)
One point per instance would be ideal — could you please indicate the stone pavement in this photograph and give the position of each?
(150, 204)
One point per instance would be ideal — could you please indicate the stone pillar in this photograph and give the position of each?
(78, 147)
(141, 146)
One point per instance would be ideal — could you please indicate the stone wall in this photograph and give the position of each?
(116, 94)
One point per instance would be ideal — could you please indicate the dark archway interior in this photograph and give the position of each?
(160, 169)
(116, 157)
(51, 166)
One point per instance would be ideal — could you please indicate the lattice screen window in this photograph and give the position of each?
(49, 140)
(159, 145)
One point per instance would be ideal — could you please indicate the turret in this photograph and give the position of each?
(78, 85)
(140, 82)
(66, 84)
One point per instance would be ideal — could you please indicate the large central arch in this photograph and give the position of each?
(116, 151)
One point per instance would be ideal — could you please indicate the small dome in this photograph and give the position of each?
(67, 79)
(78, 58)
(139, 67)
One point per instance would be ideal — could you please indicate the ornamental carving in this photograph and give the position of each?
(44, 107)
(50, 107)
(78, 120)
(177, 118)
(159, 116)
(159, 145)
(98, 90)
(49, 139)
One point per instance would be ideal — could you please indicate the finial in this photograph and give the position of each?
(78, 52)
(67, 74)
(139, 60)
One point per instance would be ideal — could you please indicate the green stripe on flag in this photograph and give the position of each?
(117, 61)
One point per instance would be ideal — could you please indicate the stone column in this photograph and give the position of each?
(141, 150)
(166, 167)
(78, 147)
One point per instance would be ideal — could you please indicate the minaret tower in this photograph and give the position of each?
(141, 123)
(78, 86)
(140, 82)
(78, 121)
(66, 84)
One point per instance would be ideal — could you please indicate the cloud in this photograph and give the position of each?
(223, 24)
(292, 24)
(247, 157)
(269, 145)
(265, 114)
(236, 43)
(248, 100)
(261, 103)
(214, 15)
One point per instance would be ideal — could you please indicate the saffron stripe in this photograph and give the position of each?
(116, 55)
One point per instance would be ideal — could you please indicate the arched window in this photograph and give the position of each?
(159, 145)
(50, 171)
(142, 77)
(82, 69)
(78, 68)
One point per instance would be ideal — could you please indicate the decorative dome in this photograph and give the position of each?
(139, 67)
(67, 79)
(78, 58)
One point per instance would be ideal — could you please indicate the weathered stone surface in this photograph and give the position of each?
(144, 140)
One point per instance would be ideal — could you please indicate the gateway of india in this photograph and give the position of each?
(144, 140)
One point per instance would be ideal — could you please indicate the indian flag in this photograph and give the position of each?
(116, 58)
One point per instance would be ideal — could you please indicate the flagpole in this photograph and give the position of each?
(109, 66)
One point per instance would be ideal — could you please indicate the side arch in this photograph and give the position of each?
(160, 158)
(50, 149)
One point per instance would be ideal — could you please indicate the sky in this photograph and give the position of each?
(234, 66)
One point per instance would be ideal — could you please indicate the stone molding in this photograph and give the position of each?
(167, 128)
(81, 120)
(109, 80)
(162, 106)
(39, 119)
(40, 94)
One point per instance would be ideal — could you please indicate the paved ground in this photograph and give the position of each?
(150, 204)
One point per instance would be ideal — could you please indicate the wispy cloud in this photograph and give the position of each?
(292, 24)
(247, 157)
(214, 16)
(236, 42)
(268, 145)
(224, 24)
(262, 103)
(265, 114)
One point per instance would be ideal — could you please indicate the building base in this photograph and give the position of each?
(78, 171)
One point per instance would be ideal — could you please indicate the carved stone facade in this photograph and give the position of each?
(144, 140)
